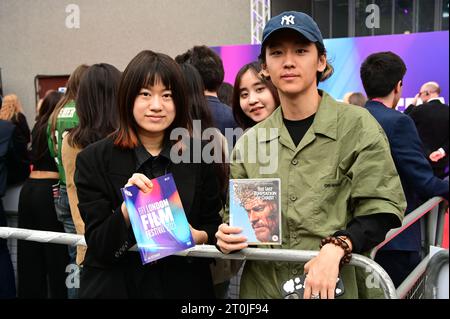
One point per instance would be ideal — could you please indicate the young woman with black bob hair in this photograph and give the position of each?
(152, 100)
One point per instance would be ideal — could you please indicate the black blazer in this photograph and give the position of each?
(418, 181)
(110, 271)
(431, 120)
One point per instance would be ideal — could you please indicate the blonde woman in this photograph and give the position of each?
(12, 111)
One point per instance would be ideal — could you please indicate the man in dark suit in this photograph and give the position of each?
(382, 75)
(431, 119)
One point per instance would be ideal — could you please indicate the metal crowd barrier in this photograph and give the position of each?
(436, 267)
(431, 216)
(208, 251)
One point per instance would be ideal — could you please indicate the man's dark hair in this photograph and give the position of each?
(380, 72)
(208, 64)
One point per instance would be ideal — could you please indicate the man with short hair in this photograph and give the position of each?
(382, 77)
(432, 119)
(357, 98)
(210, 67)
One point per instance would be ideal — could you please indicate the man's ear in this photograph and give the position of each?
(264, 73)
(322, 63)
(398, 86)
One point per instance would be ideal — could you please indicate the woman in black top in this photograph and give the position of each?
(41, 267)
(152, 101)
(11, 110)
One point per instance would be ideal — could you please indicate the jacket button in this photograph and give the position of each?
(293, 198)
(294, 161)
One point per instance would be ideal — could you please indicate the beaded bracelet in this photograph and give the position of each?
(341, 243)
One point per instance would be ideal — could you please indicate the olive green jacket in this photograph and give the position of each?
(341, 169)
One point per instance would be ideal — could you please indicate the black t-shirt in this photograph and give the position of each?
(297, 129)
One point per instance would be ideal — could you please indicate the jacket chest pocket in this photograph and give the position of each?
(329, 210)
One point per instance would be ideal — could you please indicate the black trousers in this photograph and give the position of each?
(7, 279)
(398, 263)
(40, 266)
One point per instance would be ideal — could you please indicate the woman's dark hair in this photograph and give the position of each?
(145, 70)
(321, 76)
(40, 128)
(225, 93)
(69, 95)
(198, 105)
(199, 110)
(241, 119)
(96, 105)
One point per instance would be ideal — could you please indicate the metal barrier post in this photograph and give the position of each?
(406, 287)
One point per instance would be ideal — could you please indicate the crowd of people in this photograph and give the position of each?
(348, 173)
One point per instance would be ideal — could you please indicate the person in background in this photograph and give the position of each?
(152, 101)
(39, 103)
(357, 98)
(221, 269)
(12, 111)
(64, 118)
(41, 267)
(200, 112)
(382, 77)
(346, 96)
(96, 107)
(210, 67)
(7, 150)
(336, 204)
(254, 96)
(432, 121)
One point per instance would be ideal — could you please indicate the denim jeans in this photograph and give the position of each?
(63, 214)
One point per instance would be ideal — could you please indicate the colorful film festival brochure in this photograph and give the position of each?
(255, 206)
(158, 219)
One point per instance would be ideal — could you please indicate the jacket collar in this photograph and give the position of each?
(434, 101)
(325, 123)
(123, 163)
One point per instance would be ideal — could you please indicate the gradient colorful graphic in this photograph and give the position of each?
(163, 239)
(425, 55)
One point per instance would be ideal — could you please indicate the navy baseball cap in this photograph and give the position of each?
(298, 21)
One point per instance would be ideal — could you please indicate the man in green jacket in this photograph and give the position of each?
(338, 179)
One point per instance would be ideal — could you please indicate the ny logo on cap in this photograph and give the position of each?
(287, 20)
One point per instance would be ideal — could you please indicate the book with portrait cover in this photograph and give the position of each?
(255, 206)
(158, 219)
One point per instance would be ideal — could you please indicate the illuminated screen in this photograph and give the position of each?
(425, 55)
